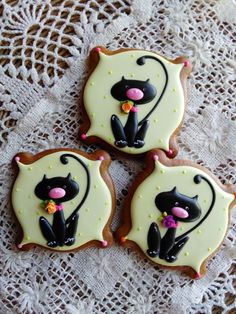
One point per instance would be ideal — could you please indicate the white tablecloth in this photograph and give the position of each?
(44, 46)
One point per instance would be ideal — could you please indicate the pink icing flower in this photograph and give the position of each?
(59, 207)
(169, 222)
(134, 109)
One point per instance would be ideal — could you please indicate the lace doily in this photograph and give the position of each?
(43, 51)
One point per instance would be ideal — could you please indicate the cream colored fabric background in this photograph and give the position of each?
(44, 46)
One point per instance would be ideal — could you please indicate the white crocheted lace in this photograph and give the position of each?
(44, 46)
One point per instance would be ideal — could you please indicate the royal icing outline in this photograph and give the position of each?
(96, 208)
(168, 100)
(187, 179)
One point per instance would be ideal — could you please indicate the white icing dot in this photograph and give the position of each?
(50, 167)
(199, 231)
(92, 115)
(80, 233)
(209, 249)
(95, 186)
(181, 228)
(30, 196)
(162, 171)
(91, 84)
(150, 215)
(20, 211)
(158, 188)
(139, 228)
(27, 238)
(131, 74)
(110, 72)
(160, 140)
(17, 189)
(38, 212)
(175, 110)
(105, 97)
(30, 168)
(186, 253)
(87, 209)
(102, 125)
(100, 218)
(140, 196)
(225, 209)
(155, 120)
(184, 171)
(72, 202)
(132, 55)
(74, 178)
(174, 90)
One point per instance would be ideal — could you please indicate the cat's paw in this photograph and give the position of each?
(139, 143)
(152, 253)
(69, 241)
(170, 258)
(52, 243)
(121, 143)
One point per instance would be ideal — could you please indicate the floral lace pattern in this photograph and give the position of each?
(44, 47)
(40, 41)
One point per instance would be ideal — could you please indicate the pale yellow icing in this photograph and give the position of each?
(206, 238)
(93, 215)
(100, 105)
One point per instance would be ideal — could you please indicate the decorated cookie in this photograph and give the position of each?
(177, 214)
(63, 199)
(134, 100)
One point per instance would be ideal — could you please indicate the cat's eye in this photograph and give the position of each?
(187, 208)
(176, 203)
(64, 187)
(48, 187)
(126, 86)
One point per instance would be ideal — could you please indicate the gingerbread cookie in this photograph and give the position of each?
(63, 199)
(177, 214)
(134, 100)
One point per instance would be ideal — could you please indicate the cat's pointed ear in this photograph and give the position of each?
(123, 78)
(195, 197)
(44, 177)
(174, 189)
(147, 80)
(68, 176)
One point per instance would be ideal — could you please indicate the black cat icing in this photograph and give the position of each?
(58, 190)
(180, 208)
(139, 93)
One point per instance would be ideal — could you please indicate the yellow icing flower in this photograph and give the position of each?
(126, 106)
(51, 207)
